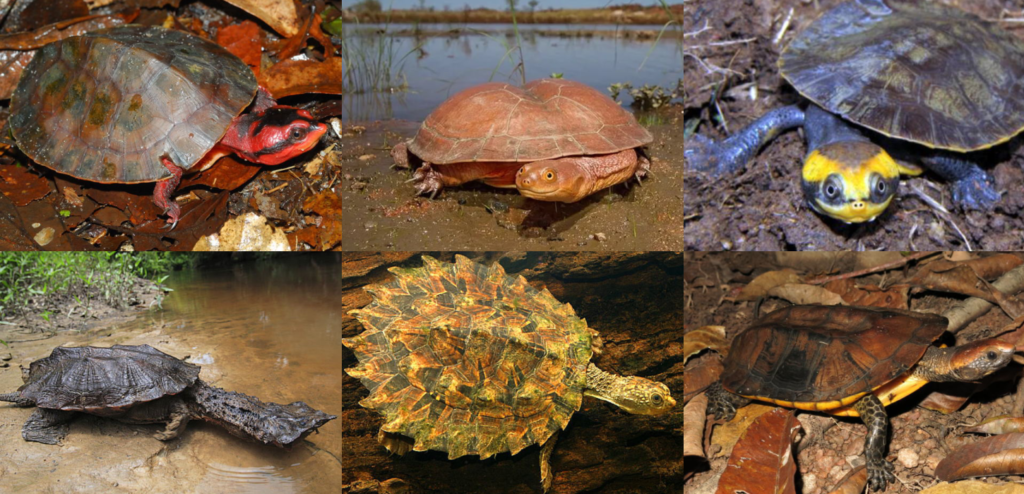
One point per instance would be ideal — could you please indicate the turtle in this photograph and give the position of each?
(139, 384)
(847, 361)
(135, 104)
(552, 139)
(928, 82)
(462, 358)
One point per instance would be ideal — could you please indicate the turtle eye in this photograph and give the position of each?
(298, 133)
(656, 399)
(550, 175)
(831, 190)
(880, 186)
(992, 355)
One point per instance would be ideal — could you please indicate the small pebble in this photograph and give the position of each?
(369, 225)
(600, 237)
(908, 458)
(5, 357)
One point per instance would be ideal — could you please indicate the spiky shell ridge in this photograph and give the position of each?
(466, 359)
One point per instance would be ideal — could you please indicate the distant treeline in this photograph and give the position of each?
(370, 11)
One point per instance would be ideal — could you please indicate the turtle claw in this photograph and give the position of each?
(880, 475)
(976, 191)
(427, 180)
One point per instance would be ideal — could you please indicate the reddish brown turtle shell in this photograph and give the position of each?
(546, 119)
(108, 105)
(94, 380)
(816, 353)
(466, 359)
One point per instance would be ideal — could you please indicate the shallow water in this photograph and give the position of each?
(445, 65)
(271, 330)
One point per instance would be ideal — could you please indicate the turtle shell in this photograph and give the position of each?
(465, 359)
(926, 73)
(94, 379)
(106, 106)
(546, 119)
(811, 353)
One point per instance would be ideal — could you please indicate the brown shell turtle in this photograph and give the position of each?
(465, 359)
(553, 139)
(136, 104)
(848, 361)
(142, 385)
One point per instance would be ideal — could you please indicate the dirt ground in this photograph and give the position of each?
(832, 446)
(729, 56)
(382, 211)
(630, 298)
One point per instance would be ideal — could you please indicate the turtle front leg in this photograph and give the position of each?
(47, 426)
(179, 418)
(431, 179)
(723, 404)
(872, 413)
(165, 189)
(545, 462)
(731, 154)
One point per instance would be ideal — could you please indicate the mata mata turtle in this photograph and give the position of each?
(465, 359)
(880, 74)
(847, 361)
(142, 385)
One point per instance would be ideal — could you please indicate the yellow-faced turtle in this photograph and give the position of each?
(142, 385)
(553, 139)
(466, 359)
(848, 361)
(929, 74)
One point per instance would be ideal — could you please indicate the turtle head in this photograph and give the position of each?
(560, 180)
(973, 361)
(851, 181)
(273, 135)
(633, 394)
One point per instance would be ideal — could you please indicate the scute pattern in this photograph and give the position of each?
(926, 73)
(106, 106)
(466, 359)
(95, 379)
(816, 353)
(546, 119)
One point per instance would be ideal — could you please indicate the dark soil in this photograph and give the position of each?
(631, 298)
(729, 55)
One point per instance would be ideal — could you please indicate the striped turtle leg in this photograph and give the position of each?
(872, 413)
(723, 404)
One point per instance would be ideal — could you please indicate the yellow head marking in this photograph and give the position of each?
(851, 181)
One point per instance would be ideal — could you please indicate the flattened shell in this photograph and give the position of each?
(465, 359)
(108, 105)
(93, 379)
(927, 73)
(816, 353)
(546, 119)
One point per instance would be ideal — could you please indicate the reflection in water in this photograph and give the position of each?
(271, 330)
(438, 66)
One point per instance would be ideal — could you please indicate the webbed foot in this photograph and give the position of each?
(47, 426)
(721, 403)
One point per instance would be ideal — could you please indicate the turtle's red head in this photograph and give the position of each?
(274, 135)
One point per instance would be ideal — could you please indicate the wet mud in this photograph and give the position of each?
(730, 66)
(383, 212)
(631, 299)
